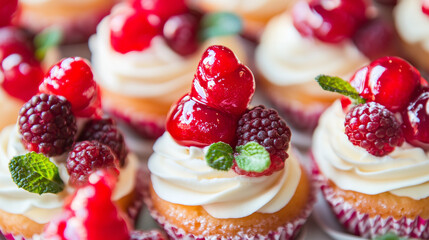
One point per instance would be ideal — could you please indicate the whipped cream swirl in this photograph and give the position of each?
(284, 57)
(42, 208)
(403, 172)
(180, 175)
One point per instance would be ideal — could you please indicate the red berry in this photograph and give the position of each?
(7, 9)
(416, 120)
(90, 214)
(47, 125)
(390, 81)
(88, 156)
(132, 30)
(18, 65)
(374, 128)
(191, 123)
(329, 20)
(425, 6)
(72, 78)
(106, 132)
(267, 128)
(162, 8)
(375, 39)
(222, 83)
(181, 33)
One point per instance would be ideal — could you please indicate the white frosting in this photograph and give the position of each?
(403, 172)
(411, 23)
(41, 208)
(157, 71)
(284, 57)
(180, 175)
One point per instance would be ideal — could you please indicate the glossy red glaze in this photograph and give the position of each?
(181, 33)
(7, 9)
(162, 8)
(390, 81)
(191, 123)
(132, 30)
(425, 7)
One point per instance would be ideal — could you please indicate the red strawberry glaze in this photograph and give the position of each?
(162, 8)
(7, 9)
(425, 7)
(90, 215)
(191, 123)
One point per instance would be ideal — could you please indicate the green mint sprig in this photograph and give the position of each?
(35, 173)
(45, 40)
(251, 157)
(338, 85)
(219, 24)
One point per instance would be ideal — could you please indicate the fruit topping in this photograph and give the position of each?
(106, 132)
(425, 7)
(265, 127)
(416, 120)
(374, 128)
(7, 9)
(162, 8)
(90, 214)
(222, 82)
(132, 30)
(330, 21)
(18, 65)
(390, 81)
(47, 124)
(88, 156)
(191, 123)
(72, 78)
(181, 33)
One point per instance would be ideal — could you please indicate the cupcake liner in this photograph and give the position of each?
(361, 224)
(288, 231)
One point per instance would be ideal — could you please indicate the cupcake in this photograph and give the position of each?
(58, 141)
(201, 188)
(299, 44)
(371, 155)
(144, 59)
(255, 14)
(411, 20)
(77, 20)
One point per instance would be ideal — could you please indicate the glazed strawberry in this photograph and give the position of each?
(416, 120)
(390, 81)
(162, 8)
(222, 82)
(181, 33)
(90, 214)
(132, 30)
(374, 128)
(265, 127)
(191, 123)
(106, 132)
(7, 9)
(18, 65)
(329, 20)
(425, 7)
(47, 125)
(72, 78)
(86, 157)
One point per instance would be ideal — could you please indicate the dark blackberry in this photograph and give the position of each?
(47, 125)
(106, 132)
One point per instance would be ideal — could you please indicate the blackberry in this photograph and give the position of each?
(106, 132)
(267, 128)
(47, 125)
(374, 128)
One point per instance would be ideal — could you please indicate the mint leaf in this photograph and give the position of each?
(338, 85)
(45, 40)
(219, 24)
(252, 157)
(35, 173)
(389, 236)
(220, 156)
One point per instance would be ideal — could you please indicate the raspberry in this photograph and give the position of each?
(86, 157)
(106, 132)
(265, 127)
(47, 125)
(374, 128)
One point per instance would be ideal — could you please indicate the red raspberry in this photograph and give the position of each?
(87, 157)
(47, 125)
(72, 78)
(267, 128)
(106, 132)
(162, 8)
(374, 128)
